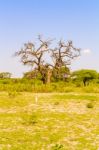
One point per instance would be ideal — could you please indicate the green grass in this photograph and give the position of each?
(49, 121)
(25, 85)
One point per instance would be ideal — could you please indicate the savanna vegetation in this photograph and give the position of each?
(50, 107)
(77, 81)
(50, 69)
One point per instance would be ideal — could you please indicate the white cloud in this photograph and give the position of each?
(86, 51)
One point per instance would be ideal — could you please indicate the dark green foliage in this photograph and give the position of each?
(36, 85)
(32, 75)
(84, 76)
(57, 75)
(61, 74)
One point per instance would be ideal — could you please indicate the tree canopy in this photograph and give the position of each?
(84, 75)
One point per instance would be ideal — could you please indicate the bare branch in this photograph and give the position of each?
(64, 53)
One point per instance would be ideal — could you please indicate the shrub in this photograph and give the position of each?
(90, 105)
(58, 147)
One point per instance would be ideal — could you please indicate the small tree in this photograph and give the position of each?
(5, 75)
(84, 76)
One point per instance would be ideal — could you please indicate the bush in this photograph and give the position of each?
(90, 105)
(58, 147)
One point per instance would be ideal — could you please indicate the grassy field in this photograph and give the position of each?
(49, 121)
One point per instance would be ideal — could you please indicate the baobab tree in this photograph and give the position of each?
(61, 57)
(34, 56)
(64, 53)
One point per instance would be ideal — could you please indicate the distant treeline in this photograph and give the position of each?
(87, 80)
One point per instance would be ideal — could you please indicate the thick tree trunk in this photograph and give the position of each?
(46, 77)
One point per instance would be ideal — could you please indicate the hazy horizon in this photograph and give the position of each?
(22, 21)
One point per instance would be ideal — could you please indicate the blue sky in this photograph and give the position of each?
(23, 20)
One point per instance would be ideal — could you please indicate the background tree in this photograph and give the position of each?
(84, 76)
(5, 75)
(62, 57)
